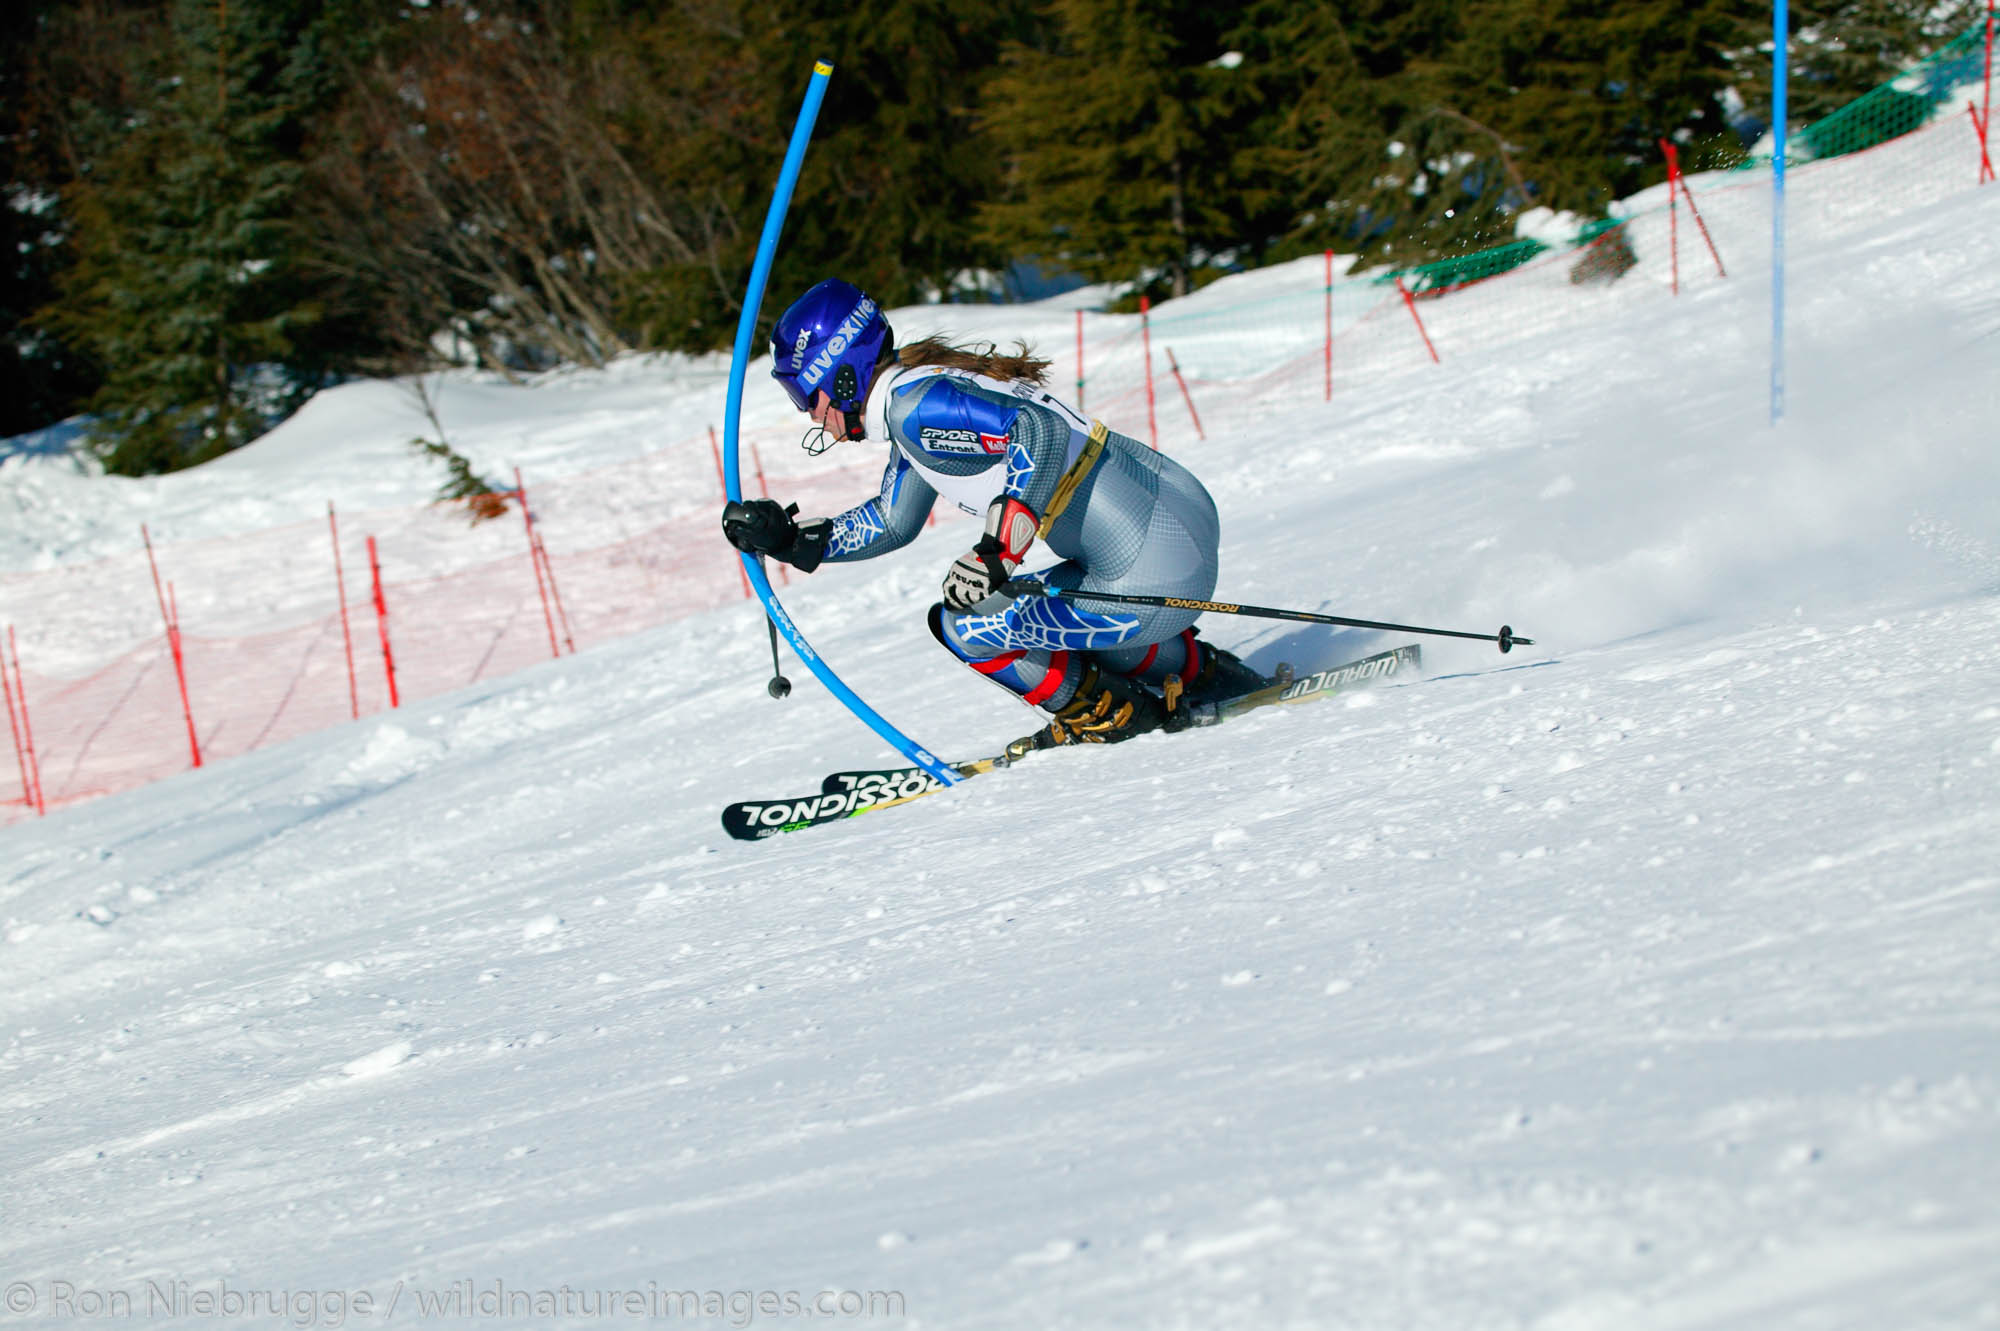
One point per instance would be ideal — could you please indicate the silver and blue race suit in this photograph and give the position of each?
(1136, 522)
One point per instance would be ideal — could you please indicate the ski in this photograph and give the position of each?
(845, 795)
(842, 795)
(1319, 684)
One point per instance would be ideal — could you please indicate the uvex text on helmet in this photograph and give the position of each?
(829, 338)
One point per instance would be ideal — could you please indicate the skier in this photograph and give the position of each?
(978, 428)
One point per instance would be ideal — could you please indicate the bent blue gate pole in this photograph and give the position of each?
(746, 329)
(1781, 22)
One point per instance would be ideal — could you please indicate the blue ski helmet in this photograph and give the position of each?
(829, 339)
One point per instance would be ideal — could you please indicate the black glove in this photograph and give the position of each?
(760, 527)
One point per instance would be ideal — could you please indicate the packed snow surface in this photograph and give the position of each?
(1645, 978)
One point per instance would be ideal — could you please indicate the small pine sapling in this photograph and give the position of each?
(462, 485)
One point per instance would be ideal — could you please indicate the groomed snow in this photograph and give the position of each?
(1642, 979)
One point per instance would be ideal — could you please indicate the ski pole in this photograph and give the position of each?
(779, 687)
(1029, 587)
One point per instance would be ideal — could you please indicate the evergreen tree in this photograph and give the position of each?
(898, 164)
(42, 378)
(1844, 49)
(1424, 130)
(1584, 93)
(1368, 157)
(701, 115)
(1130, 142)
(184, 287)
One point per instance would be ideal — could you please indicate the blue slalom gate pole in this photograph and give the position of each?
(1781, 25)
(746, 330)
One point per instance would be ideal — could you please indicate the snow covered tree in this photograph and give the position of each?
(1843, 49)
(1421, 130)
(1373, 152)
(1583, 93)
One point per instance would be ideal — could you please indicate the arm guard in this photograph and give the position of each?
(977, 574)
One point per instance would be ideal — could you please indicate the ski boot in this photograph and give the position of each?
(1104, 710)
(1219, 677)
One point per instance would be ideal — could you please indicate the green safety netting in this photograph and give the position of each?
(1463, 269)
(1905, 103)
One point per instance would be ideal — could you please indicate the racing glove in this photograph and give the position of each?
(760, 527)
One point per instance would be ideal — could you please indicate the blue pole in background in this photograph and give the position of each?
(746, 329)
(1781, 28)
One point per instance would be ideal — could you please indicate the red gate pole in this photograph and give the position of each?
(1673, 209)
(764, 488)
(548, 569)
(549, 572)
(27, 728)
(535, 562)
(1176, 365)
(346, 634)
(382, 622)
(1146, 338)
(1986, 116)
(180, 668)
(30, 786)
(1410, 303)
(1079, 362)
(14, 728)
(173, 624)
(722, 479)
(1329, 325)
(1707, 239)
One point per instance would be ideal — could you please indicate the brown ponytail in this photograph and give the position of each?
(984, 359)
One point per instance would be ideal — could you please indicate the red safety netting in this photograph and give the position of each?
(494, 607)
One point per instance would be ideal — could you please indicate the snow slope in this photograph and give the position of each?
(1641, 979)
